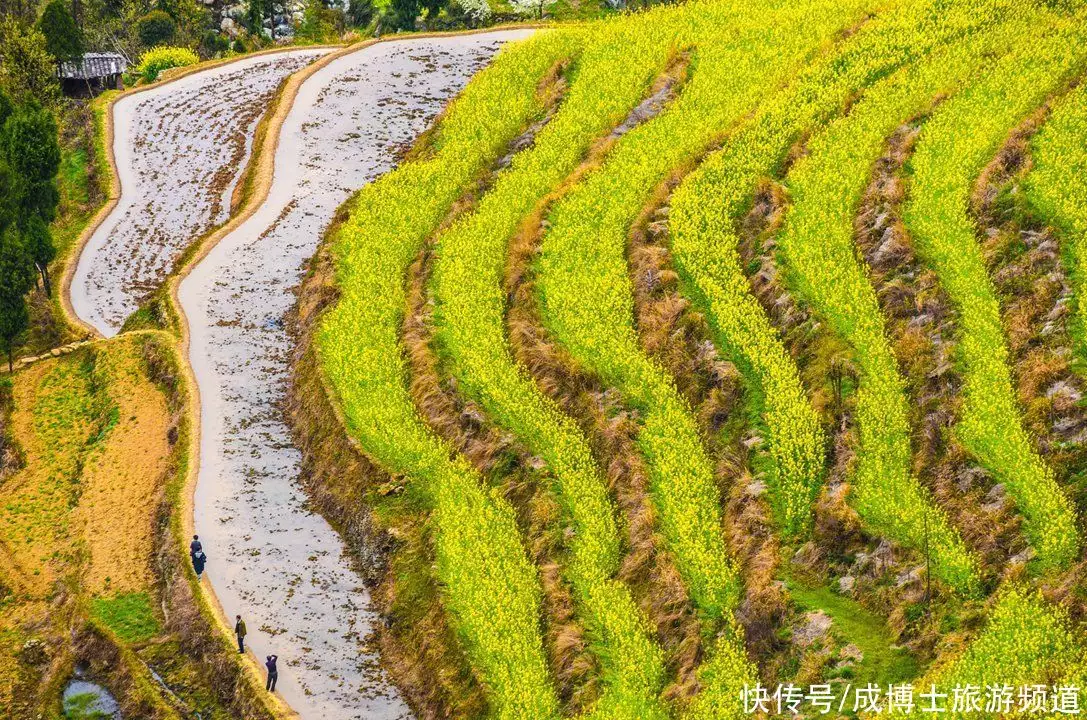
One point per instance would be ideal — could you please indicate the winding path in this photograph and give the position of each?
(180, 149)
(271, 558)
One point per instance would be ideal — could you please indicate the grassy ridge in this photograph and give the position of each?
(1027, 641)
(471, 255)
(817, 248)
(491, 590)
(899, 38)
(1056, 191)
(953, 149)
(586, 300)
(469, 316)
(996, 59)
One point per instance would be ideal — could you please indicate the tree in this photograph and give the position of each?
(156, 28)
(29, 148)
(433, 7)
(28, 144)
(63, 38)
(403, 14)
(255, 16)
(360, 13)
(27, 71)
(314, 27)
(16, 279)
(38, 241)
(6, 108)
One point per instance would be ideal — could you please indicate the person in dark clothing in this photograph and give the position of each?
(198, 561)
(273, 673)
(239, 630)
(195, 546)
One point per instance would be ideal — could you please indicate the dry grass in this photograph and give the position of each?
(465, 426)
(922, 323)
(123, 482)
(612, 430)
(82, 545)
(1025, 262)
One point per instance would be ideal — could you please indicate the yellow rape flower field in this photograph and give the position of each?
(700, 360)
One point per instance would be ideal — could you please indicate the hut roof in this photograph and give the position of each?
(93, 65)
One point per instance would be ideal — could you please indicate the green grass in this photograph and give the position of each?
(883, 662)
(81, 707)
(72, 413)
(1027, 641)
(129, 615)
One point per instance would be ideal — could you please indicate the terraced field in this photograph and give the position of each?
(275, 560)
(735, 302)
(180, 151)
(712, 360)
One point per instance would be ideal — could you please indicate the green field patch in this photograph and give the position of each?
(130, 615)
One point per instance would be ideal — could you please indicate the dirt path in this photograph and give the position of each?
(271, 558)
(180, 151)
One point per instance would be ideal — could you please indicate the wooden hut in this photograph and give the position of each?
(92, 74)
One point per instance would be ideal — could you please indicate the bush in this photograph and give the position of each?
(156, 28)
(63, 39)
(214, 43)
(401, 14)
(315, 26)
(162, 58)
(27, 70)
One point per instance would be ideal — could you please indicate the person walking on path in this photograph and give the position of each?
(198, 561)
(273, 673)
(195, 546)
(239, 630)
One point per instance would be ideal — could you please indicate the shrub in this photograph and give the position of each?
(162, 58)
(315, 26)
(26, 67)
(156, 28)
(213, 43)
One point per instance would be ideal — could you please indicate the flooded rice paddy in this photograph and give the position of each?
(271, 558)
(180, 150)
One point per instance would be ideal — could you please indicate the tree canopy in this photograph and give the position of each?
(63, 38)
(27, 70)
(28, 144)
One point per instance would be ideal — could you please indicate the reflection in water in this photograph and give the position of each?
(83, 699)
